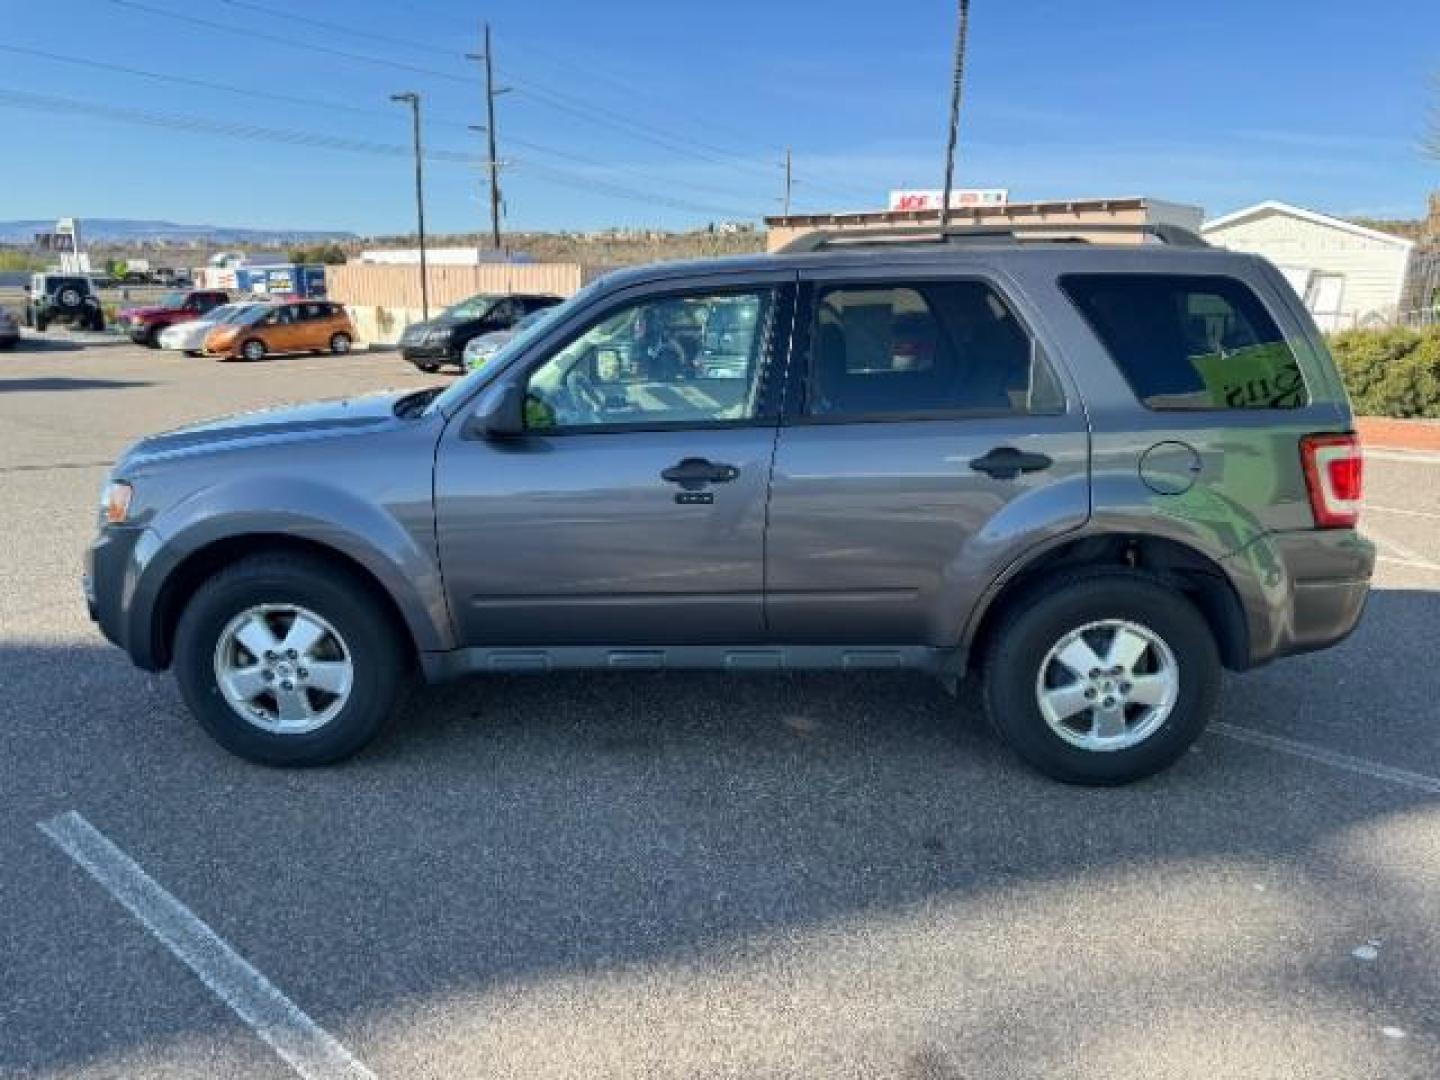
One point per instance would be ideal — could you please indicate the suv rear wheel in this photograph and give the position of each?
(284, 661)
(1101, 678)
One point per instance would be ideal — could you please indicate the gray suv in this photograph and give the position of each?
(1088, 475)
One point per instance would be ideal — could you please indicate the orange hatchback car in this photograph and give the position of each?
(291, 327)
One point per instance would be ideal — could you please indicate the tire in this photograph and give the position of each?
(68, 298)
(1020, 663)
(152, 338)
(97, 321)
(362, 630)
(427, 366)
(340, 344)
(252, 350)
(193, 352)
(41, 324)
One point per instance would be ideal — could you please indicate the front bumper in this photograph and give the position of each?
(1303, 590)
(440, 352)
(109, 585)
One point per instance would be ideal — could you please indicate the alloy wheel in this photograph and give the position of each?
(1108, 685)
(283, 668)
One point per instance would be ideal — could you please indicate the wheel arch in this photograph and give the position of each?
(1191, 572)
(199, 565)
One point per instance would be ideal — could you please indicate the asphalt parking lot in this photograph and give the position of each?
(695, 876)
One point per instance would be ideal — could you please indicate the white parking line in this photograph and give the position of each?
(1406, 513)
(1409, 457)
(305, 1046)
(1402, 554)
(1418, 781)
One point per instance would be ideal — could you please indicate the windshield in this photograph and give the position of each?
(237, 313)
(474, 308)
(253, 313)
(172, 301)
(531, 327)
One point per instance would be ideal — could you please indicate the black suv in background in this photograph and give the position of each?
(442, 340)
(63, 298)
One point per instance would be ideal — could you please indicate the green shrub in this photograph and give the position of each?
(1391, 372)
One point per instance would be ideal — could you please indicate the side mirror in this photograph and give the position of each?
(502, 412)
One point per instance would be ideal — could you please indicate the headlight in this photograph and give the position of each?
(437, 337)
(115, 502)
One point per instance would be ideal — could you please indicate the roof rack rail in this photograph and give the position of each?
(1014, 233)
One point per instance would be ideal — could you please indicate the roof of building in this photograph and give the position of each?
(1312, 216)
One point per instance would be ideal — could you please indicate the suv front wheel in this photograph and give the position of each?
(286, 660)
(1101, 678)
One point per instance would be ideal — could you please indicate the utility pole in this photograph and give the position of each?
(961, 30)
(413, 100)
(789, 181)
(493, 162)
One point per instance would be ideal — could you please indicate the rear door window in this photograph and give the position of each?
(1190, 341)
(923, 349)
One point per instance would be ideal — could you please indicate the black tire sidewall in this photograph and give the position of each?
(347, 606)
(343, 349)
(245, 350)
(1033, 627)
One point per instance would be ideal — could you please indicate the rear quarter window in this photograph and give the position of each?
(1190, 341)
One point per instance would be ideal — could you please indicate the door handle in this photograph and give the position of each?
(1006, 463)
(694, 473)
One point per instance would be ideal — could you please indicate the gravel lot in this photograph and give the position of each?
(694, 876)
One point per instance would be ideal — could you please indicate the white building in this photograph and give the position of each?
(1349, 275)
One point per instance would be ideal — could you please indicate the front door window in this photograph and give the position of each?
(664, 361)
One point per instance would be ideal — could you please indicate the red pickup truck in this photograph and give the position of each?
(145, 323)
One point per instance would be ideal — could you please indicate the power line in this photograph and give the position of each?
(330, 105)
(279, 39)
(22, 99)
(549, 97)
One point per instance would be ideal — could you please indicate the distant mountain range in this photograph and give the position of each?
(131, 230)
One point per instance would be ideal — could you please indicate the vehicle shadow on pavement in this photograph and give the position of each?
(60, 382)
(33, 343)
(560, 835)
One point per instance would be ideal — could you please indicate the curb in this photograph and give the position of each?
(1384, 433)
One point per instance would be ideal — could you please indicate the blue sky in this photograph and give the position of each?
(671, 114)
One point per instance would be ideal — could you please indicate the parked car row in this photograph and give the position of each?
(212, 322)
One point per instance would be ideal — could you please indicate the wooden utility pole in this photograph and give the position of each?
(961, 31)
(493, 162)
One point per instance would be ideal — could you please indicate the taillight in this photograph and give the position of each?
(1334, 473)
